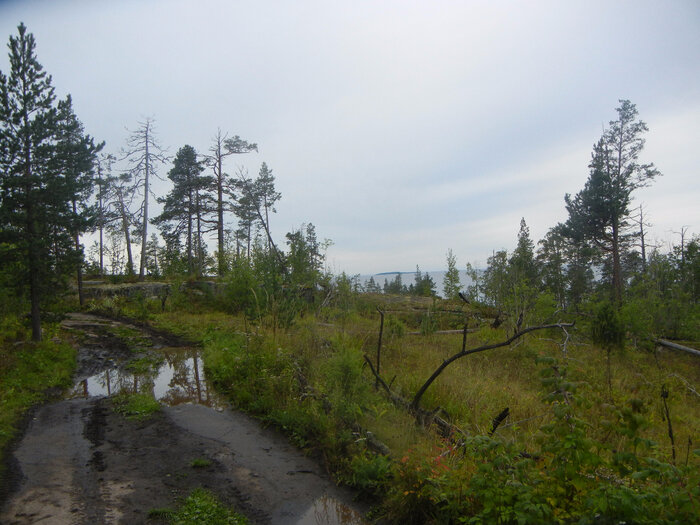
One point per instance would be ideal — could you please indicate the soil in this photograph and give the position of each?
(80, 462)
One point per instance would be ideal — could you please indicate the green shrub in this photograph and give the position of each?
(428, 324)
(395, 328)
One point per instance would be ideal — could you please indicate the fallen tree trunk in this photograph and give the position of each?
(676, 346)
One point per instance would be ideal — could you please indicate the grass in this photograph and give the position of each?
(310, 381)
(200, 463)
(137, 406)
(472, 390)
(201, 507)
(27, 371)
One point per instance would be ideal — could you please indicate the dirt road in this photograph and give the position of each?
(80, 462)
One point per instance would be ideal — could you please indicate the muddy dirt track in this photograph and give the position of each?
(80, 462)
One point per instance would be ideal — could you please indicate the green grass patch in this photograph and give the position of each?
(201, 507)
(200, 463)
(27, 370)
(135, 405)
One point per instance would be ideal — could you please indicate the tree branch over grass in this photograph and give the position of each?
(464, 353)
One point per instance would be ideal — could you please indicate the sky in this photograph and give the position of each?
(400, 129)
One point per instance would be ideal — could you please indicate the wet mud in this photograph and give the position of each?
(80, 462)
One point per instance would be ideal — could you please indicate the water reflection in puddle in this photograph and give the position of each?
(178, 379)
(327, 510)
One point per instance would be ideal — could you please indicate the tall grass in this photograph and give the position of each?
(310, 380)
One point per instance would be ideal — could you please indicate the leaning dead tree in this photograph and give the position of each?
(413, 406)
(464, 352)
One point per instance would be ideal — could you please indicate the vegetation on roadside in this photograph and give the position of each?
(27, 371)
(565, 453)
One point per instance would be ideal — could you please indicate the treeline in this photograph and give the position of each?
(57, 183)
(599, 259)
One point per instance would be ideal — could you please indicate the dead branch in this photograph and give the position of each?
(664, 396)
(498, 420)
(446, 428)
(483, 348)
(379, 345)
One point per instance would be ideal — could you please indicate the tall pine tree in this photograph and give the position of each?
(44, 159)
(186, 207)
(599, 213)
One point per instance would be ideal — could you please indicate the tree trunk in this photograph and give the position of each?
(34, 294)
(616, 269)
(190, 263)
(101, 219)
(200, 259)
(127, 236)
(416, 399)
(142, 264)
(102, 266)
(641, 239)
(220, 208)
(76, 237)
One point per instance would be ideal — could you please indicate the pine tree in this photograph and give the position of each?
(44, 158)
(451, 285)
(551, 257)
(76, 156)
(372, 286)
(599, 213)
(266, 195)
(522, 261)
(186, 207)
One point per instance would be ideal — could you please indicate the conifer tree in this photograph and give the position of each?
(451, 285)
(599, 213)
(186, 207)
(76, 155)
(266, 193)
(44, 158)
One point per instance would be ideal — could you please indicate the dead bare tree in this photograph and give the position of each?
(222, 147)
(143, 152)
(104, 174)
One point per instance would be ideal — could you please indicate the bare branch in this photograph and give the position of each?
(463, 353)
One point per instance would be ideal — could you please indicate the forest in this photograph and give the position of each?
(543, 390)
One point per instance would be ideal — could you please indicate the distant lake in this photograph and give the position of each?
(409, 278)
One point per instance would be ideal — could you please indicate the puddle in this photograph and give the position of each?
(327, 510)
(178, 379)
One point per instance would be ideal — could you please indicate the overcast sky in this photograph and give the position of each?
(400, 129)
